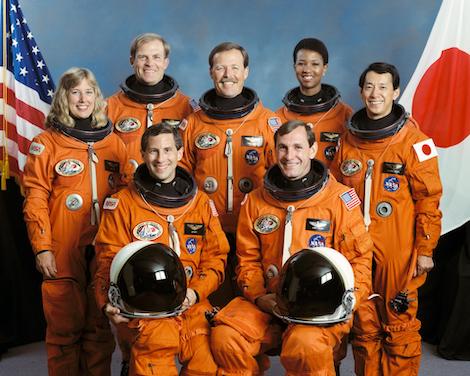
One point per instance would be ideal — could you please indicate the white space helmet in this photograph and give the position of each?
(147, 280)
(316, 287)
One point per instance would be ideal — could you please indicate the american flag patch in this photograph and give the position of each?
(213, 208)
(194, 104)
(274, 123)
(350, 199)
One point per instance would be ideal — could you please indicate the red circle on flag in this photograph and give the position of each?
(441, 103)
(426, 149)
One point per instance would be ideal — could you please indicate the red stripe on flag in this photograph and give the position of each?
(23, 109)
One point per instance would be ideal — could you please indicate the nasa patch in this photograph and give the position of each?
(252, 157)
(391, 184)
(316, 240)
(330, 152)
(191, 245)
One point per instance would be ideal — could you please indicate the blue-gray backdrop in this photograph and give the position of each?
(97, 33)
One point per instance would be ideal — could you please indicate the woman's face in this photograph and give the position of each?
(81, 100)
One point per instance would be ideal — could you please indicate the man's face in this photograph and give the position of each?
(228, 73)
(150, 63)
(378, 94)
(309, 70)
(294, 155)
(161, 157)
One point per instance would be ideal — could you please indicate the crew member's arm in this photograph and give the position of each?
(250, 276)
(113, 234)
(354, 242)
(426, 190)
(210, 271)
(37, 182)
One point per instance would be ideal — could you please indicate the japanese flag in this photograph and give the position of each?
(438, 97)
(425, 150)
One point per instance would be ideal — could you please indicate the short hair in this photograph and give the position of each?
(381, 68)
(60, 111)
(312, 44)
(227, 46)
(145, 38)
(291, 125)
(158, 129)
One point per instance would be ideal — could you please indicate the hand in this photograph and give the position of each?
(423, 265)
(113, 314)
(266, 303)
(190, 299)
(45, 263)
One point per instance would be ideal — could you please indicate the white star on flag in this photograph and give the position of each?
(25, 96)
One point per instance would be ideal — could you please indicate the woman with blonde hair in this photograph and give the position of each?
(71, 167)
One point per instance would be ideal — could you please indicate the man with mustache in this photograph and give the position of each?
(229, 143)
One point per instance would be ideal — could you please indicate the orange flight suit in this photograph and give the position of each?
(328, 126)
(242, 331)
(153, 343)
(253, 153)
(122, 108)
(57, 212)
(405, 223)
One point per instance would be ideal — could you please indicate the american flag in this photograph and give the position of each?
(350, 199)
(28, 92)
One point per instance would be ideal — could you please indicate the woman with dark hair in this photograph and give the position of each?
(71, 167)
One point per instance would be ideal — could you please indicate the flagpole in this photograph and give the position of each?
(5, 162)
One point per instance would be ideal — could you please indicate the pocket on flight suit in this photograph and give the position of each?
(153, 352)
(243, 316)
(64, 309)
(195, 330)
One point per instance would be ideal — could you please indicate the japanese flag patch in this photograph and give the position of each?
(425, 150)
(110, 203)
(36, 148)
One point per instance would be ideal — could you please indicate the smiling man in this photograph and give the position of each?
(229, 143)
(393, 166)
(314, 102)
(147, 97)
(300, 206)
(163, 205)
